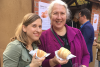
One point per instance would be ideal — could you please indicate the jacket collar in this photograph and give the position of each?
(70, 34)
(85, 24)
(33, 45)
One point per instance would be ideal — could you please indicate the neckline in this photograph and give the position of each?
(63, 35)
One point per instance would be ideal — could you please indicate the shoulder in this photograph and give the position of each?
(12, 52)
(46, 33)
(14, 46)
(77, 31)
(88, 26)
(15, 43)
(74, 30)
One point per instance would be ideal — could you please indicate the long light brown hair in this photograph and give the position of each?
(20, 35)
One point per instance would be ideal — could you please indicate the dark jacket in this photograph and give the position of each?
(88, 34)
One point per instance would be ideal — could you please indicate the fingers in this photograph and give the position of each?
(39, 63)
(61, 62)
(42, 59)
(64, 62)
(34, 56)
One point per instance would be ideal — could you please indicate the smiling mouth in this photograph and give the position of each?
(58, 22)
(36, 34)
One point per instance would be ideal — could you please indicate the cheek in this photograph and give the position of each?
(33, 29)
(53, 17)
(41, 31)
(52, 20)
(79, 19)
(64, 18)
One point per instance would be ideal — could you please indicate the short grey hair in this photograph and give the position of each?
(61, 3)
(76, 15)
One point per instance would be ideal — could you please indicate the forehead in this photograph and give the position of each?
(37, 21)
(58, 7)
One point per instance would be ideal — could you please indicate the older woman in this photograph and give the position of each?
(70, 38)
(26, 38)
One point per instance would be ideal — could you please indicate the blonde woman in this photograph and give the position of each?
(26, 38)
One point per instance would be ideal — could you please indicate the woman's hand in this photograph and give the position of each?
(36, 62)
(54, 61)
(83, 66)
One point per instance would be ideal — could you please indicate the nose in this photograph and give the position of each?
(59, 16)
(38, 29)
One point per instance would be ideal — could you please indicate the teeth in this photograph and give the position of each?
(58, 22)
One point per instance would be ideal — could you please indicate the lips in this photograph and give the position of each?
(36, 34)
(58, 22)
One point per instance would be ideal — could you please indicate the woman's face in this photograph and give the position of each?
(33, 30)
(58, 16)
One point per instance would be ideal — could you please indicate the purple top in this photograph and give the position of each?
(77, 46)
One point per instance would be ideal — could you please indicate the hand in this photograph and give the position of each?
(56, 61)
(94, 43)
(36, 62)
(83, 66)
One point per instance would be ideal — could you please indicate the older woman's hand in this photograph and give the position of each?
(83, 66)
(36, 62)
(54, 61)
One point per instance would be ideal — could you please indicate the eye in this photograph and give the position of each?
(34, 26)
(62, 13)
(40, 26)
(55, 13)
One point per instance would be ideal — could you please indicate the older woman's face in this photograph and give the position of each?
(58, 16)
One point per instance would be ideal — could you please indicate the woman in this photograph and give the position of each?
(71, 38)
(74, 23)
(26, 38)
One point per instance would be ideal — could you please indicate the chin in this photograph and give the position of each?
(36, 39)
(59, 27)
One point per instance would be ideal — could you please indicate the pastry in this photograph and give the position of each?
(63, 52)
(40, 53)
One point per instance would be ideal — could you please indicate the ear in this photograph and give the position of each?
(84, 16)
(24, 28)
